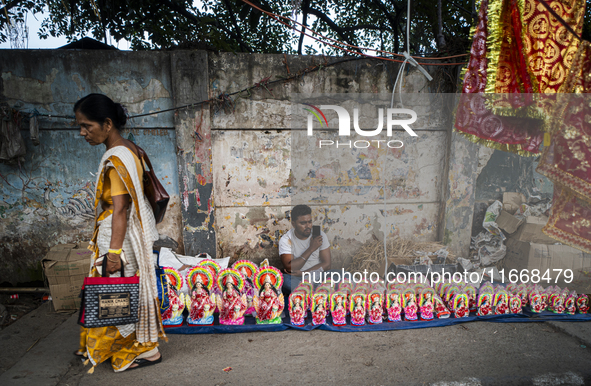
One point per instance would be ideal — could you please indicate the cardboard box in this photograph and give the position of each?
(508, 222)
(526, 255)
(512, 201)
(531, 231)
(65, 267)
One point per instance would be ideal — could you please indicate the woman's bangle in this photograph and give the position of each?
(112, 261)
(116, 251)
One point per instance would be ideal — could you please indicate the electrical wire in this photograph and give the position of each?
(346, 44)
(278, 17)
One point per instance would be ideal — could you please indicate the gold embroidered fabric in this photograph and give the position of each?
(566, 162)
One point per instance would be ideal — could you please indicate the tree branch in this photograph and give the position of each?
(305, 23)
(233, 17)
(340, 31)
(392, 20)
(472, 14)
(197, 21)
(8, 6)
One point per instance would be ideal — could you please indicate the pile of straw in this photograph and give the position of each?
(371, 254)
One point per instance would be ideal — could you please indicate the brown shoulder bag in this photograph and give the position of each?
(153, 189)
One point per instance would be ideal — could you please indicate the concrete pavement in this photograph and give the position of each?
(479, 353)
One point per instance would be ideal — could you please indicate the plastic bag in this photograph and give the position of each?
(538, 209)
(490, 218)
(490, 248)
(184, 263)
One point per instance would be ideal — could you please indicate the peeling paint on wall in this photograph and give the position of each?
(49, 199)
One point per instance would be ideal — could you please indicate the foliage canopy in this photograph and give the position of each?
(234, 25)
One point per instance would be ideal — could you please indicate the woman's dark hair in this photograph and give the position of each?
(300, 210)
(99, 107)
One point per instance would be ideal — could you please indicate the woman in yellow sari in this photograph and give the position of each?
(124, 226)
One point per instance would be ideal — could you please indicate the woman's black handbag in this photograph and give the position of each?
(109, 301)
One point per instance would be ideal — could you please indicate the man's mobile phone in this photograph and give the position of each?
(315, 230)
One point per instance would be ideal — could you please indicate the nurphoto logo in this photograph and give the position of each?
(394, 118)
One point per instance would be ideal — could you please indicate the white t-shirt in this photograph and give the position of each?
(290, 244)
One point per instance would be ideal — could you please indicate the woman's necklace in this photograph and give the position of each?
(113, 145)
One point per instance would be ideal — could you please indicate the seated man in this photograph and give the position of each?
(300, 252)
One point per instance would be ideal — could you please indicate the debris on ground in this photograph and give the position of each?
(370, 256)
(13, 308)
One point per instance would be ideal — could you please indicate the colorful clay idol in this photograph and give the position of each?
(440, 309)
(394, 306)
(318, 308)
(200, 302)
(173, 316)
(524, 297)
(346, 287)
(583, 303)
(214, 268)
(535, 301)
(346, 290)
(556, 302)
(443, 290)
(515, 306)
(460, 305)
(375, 306)
(485, 301)
(212, 265)
(248, 270)
(426, 303)
(268, 301)
(470, 290)
(231, 302)
(338, 308)
(501, 303)
(545, 300)
(357, 308)
(570, 304)
(409, 303)
(306, 287)
(298, 307)
(451, 291)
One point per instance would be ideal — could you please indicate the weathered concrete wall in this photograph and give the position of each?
(262, 164)
(48, 199)
(192, 124)
(459, 209)
(508, 172)
(234, 170)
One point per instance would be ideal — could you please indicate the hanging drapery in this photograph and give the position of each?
(566, 162)
(519, 50)
(527, 77)
(474, 119)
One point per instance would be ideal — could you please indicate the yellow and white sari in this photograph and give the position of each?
(124, 344)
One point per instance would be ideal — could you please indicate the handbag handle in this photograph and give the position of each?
(104, 265)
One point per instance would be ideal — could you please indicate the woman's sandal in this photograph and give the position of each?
(144, 362)
(79, 353)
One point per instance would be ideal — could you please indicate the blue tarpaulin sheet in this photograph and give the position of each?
(251, 326)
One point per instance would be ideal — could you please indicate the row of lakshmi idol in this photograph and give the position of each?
(372, 303)
(243, 289)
